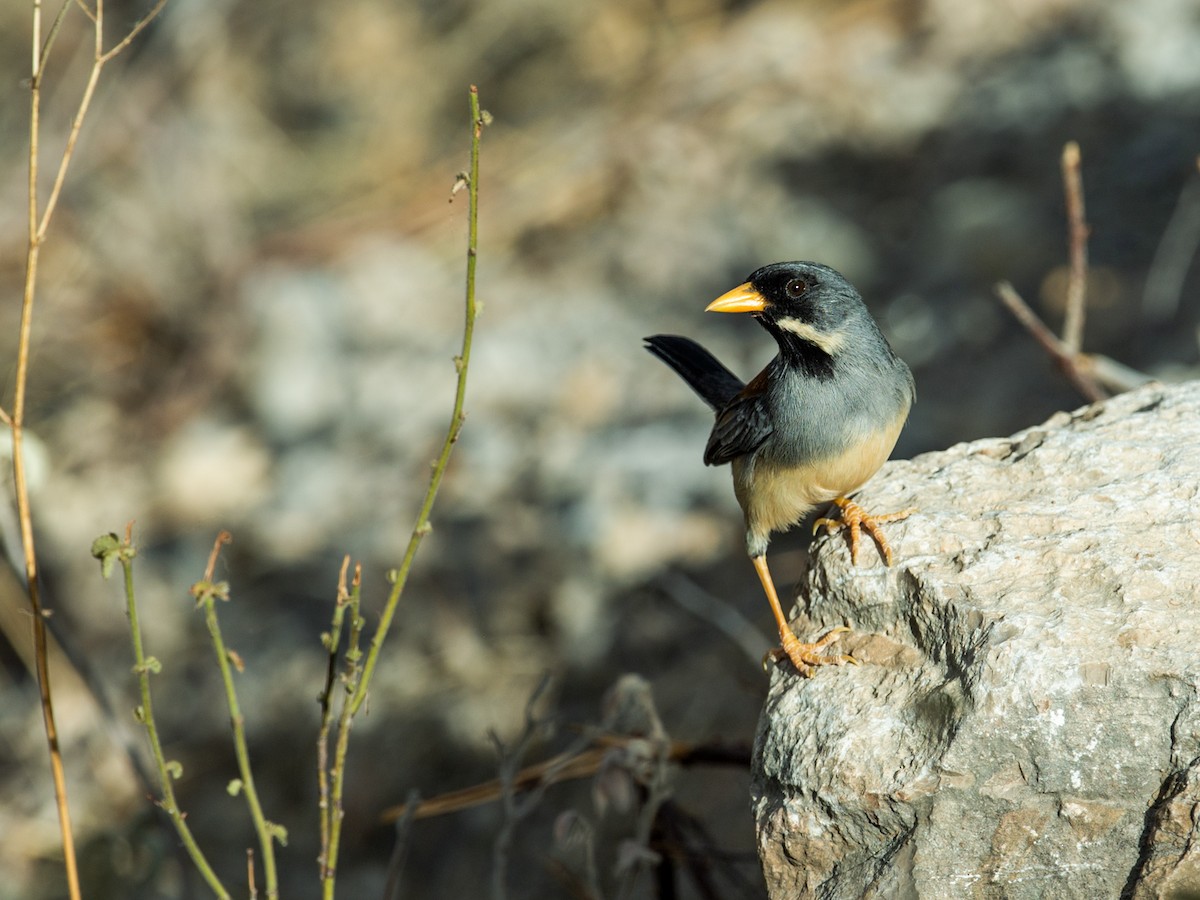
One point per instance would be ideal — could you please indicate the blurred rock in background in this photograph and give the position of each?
(252, 294)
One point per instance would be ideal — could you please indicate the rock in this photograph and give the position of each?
(1025, 721)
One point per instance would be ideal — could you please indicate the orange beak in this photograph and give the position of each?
(741, 299)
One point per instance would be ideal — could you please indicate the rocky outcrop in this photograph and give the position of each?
(1025, 722)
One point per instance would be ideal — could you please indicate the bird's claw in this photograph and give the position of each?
(806, 657)
(857, 520)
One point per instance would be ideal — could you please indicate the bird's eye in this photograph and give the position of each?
(796, 287)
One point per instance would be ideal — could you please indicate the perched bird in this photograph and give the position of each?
(810, 428)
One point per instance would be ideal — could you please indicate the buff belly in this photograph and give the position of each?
(774, 497)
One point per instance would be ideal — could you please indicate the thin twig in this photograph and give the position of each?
(133, 32)
(107, 549)
(1114, 376)
(391, 887)
(1077, 230)
(334, 811)
(87, 10)
(207, 592)
(657, 792)
(358, 672)
(462, 363)
(39, 59)
(717, 612)
(567, 766)
(39, 220)
(515, 807)
(1095, 376)
(1175, 254)
(100, 58)
(1072, 365)
(21, 487)
(331, 640)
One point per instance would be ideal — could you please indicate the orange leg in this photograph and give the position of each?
(856, 519)
(803, 656)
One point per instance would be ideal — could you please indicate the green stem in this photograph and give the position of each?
(357, 678)
(332, 641)
(143, 668)
(266, 830)
(335, 812)
(462, 363)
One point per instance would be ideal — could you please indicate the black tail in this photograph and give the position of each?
(715, 384)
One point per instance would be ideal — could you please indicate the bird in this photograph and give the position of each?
(811, 428)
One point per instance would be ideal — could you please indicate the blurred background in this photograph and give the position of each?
(252, 293)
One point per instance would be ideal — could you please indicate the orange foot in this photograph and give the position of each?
(806, 657)
(856, 519)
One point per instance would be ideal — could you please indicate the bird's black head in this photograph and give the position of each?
(809, 308)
